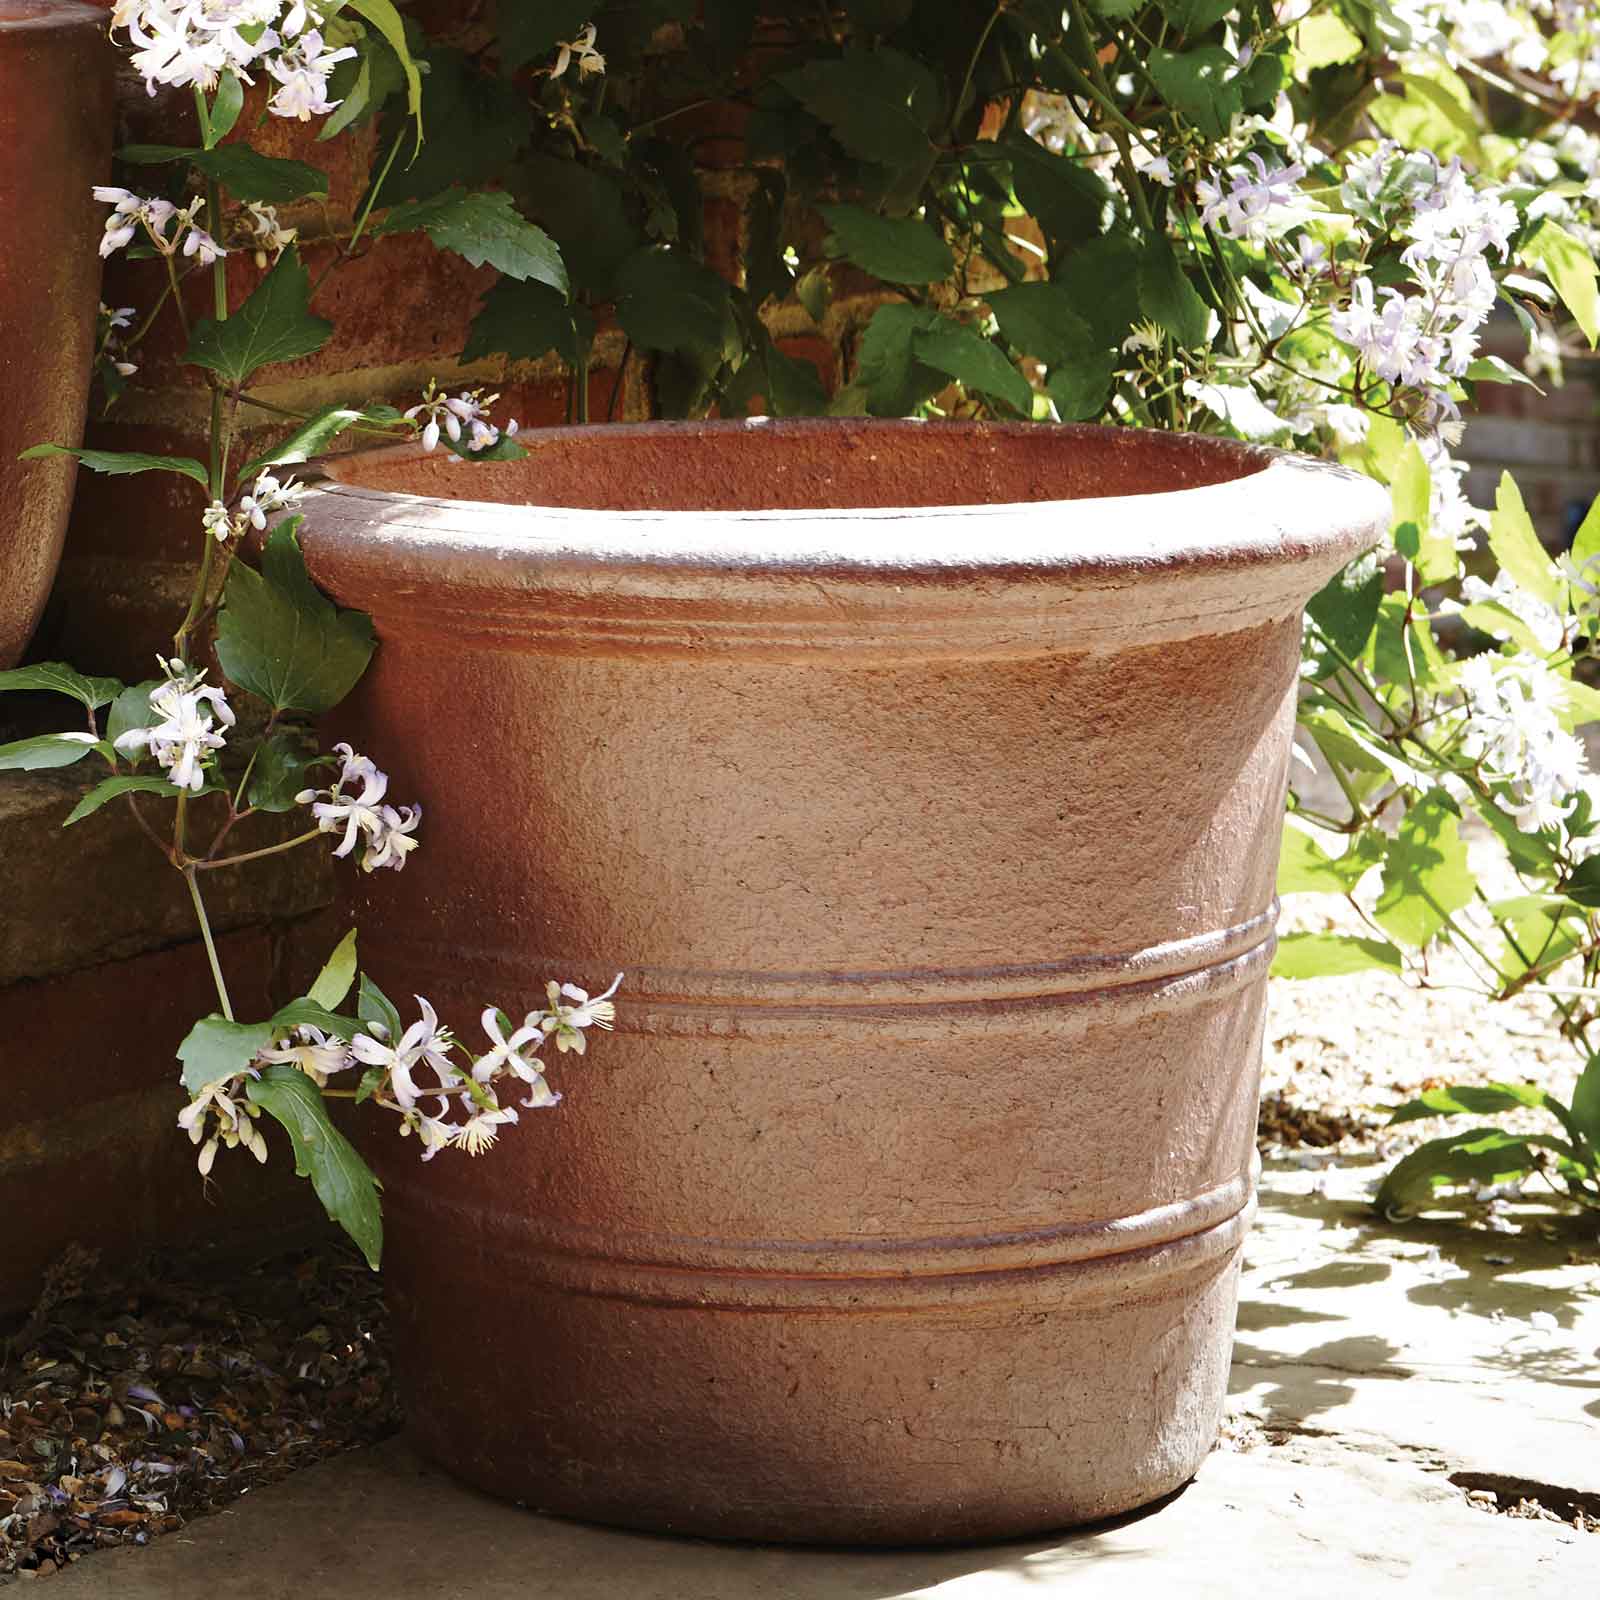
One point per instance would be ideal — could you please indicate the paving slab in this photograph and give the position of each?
(1371, 1367)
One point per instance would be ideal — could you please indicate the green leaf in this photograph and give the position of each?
(585, 212)
(1079, 389)
(1338, 738)
(122, 463)
(876, 103)
(1199, 85)
(343, 1181)
(766, 274)
(895, 249)
(484, 230)
(274, 324)
(1585, 1111)
(307, 1013)
(894, 381)
(1493, 369)
(1066, 199)
(109, 789)
(1323, 40)
(666, 301)
(224, 111)
(383, 16)
(1103, 278)
(525, 33)
(215, 1049)
(311, 438)
(1166, 294)
(1484, 1155)
(1304, 867)
(1517, 548)
(1411, 492)
(1570, 267)
(58, 678)
(1426, 877)
(279, 773)
(374, 1006)
(1470, 1100)
(1345, 609)
(279, 637)
(1038, 320)
(1586, 544)
(44, 751)
(131, 709)
(527, 320)
(1401, 650)
(1196, 16)
(338, 974)
(1331, 955)
(977, 365)
(246, 175)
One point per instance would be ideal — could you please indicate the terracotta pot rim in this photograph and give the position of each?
(1267, 514)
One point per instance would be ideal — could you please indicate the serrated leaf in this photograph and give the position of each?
(484, 229)
(311, 438)
(245, 174)
(1411, 495)
(1079, 389)
(1196, 16)
(585, 211)
(308, 1013)
(871, 102)
(216, 1048)
(273, 325)
(977, 365)
(121, 463)
(1493, 369)
(109, 789)
(338, 974)
(665, 301)
(894, 382)
(282, 639)
(44, 751)
(1517, 548)
(1039, 320)
(1426, 876)
(895, 249)
(1571, 269)
(1066, 199)
(58, 678)
(527, 320)
(1200, 85)
(1332, 955)
(1470, 1100)
(343, 1181)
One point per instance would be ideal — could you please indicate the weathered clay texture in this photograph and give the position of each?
(936, 834)
(55, 144)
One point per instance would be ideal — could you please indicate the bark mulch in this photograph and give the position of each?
(132, 1399)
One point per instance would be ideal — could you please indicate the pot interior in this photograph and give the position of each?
(765, 465)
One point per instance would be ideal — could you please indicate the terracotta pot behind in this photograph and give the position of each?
(936, 835)
(55, 144)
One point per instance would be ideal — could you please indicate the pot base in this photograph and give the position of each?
(1045, 1398)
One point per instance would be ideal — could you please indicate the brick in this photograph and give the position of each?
(99, 891)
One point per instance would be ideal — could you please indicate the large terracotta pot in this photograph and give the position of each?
(926, 781)
(55, 145)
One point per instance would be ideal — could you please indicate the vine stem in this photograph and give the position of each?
(210, 943)
(255, 855)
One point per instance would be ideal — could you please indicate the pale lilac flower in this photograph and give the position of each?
(424, 1043)
(197, 242)
(355, 814)
(218, 521)
(269, 496)
(302, 71)
(192, 716)
(582, 48)
(566, 1023)
(506, 1055)
(390, 844)
(1255, 207)
(482, 1128)
(317, 1054)
(268, 234)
